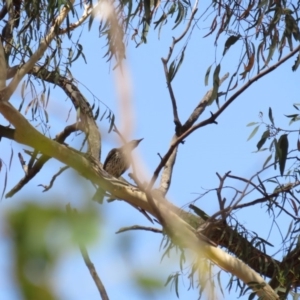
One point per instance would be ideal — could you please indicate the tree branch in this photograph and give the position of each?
(100, 286)
(182, 232)
(44, 44)
(213, 117)
(167, 162)
(81, 105)
(32, 171)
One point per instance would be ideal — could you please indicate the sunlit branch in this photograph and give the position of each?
(3, 67)
(87, 12)
(182, 232)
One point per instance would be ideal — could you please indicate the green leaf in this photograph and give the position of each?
(271, 115)
(267, 160)
(230, 41)
(253, 133)
(296, 64)
(112, 122)
(207, 75)
(263, 139)
(282, 151)
(216, 84)
(251, 124)
(174, 68)
(91, 19)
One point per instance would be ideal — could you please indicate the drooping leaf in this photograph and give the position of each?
(267, 160)
(282, 151)
(216, 84)
(296, 64)
(271, 115)
(230, 41)
(251, 124)
(207, 75)
(263, 139)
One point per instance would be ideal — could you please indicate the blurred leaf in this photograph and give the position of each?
(254, 131)
(216, 84)
(271, 115)
(112, 122)
(267, 160)
(251, 124)
(207, 75)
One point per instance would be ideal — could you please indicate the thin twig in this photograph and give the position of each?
(165, 62)
(48, 187)
(138, 227)
(87, 12)
(32, 171)
(89, 263)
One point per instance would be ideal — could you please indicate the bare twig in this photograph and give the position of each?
(138, 227)
(93, 272)
(23, 163)
(213, 117)
(87, 12)
(219, 196)
(165, 62)
(48, 187)
(89, 263)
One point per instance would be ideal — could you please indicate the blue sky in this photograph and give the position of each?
(215, 148)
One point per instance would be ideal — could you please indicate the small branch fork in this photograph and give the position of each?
(188, 128)
(34, 168)
(267, 197)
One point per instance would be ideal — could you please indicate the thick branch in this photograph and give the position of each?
(28, 135)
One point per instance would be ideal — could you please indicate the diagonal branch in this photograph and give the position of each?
(26, 134)
(36, 56)
(80, 103)
(168, 161)
(212, 119)
(165, 62)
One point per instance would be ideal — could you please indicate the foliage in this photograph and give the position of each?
(41, 42)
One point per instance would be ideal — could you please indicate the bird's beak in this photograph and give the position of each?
(140, 140)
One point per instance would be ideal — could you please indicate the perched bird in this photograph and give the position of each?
(116, 163)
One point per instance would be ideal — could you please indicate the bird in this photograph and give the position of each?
(116, 163)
